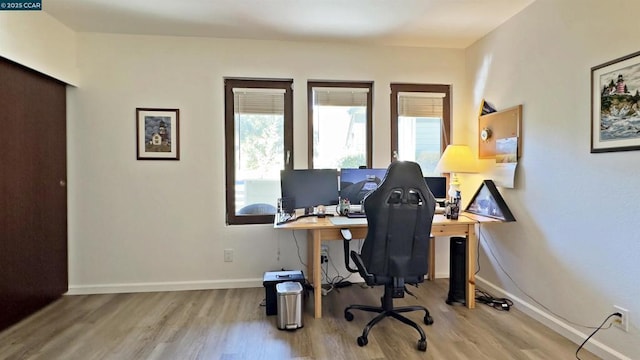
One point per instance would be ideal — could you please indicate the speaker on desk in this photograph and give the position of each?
(286, 205)
(457, 271)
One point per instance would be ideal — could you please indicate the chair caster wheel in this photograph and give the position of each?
(428, 320)
(348, 316)
(362, 341)
(422, 345)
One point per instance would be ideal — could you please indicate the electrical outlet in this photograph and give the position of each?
(228, 255)
(324, 254)
(623, 321)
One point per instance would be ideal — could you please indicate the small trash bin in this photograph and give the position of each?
(289, 305)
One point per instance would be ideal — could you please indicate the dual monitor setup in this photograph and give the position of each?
(309, 188)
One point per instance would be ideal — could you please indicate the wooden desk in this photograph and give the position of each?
(319, 230)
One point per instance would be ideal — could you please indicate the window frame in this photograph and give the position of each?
(428, 88)
(339, 84)
(229, 132)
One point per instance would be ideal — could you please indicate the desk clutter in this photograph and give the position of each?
(332, 192)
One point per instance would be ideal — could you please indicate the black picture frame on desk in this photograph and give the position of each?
(487, 201)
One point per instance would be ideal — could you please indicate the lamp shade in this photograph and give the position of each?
(457, 159)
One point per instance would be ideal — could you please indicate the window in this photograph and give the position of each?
(340, 116)
(420, 123)
(259, 143)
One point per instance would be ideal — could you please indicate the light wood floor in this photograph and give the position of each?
(231, 324)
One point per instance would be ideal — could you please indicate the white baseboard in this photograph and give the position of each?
(558, 325)
(163, 286)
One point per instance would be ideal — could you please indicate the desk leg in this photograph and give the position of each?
(313, 260)
(471, 266)
(432, 258)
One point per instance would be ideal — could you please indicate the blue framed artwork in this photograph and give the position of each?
(157, 134)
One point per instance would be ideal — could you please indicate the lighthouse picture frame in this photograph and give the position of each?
(615, 105)
(157, 134)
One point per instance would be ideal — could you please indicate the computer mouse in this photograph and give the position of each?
(346, 234)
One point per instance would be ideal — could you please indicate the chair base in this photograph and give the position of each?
(387, 310)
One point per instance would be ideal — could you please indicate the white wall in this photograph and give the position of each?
(136, 225)
(40, 42)
(575, 246)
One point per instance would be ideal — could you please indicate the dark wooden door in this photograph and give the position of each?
(33, 195)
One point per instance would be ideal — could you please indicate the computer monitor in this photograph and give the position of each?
(438, 186)
(307, 188)
(355, 184)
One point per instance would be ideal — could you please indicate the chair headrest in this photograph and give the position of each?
(403, 183)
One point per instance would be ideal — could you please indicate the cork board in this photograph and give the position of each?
(502, 124)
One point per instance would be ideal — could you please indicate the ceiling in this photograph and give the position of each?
(422, 23)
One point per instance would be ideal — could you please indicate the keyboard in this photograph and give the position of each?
(356, 215)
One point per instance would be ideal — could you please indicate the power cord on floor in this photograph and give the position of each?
(337, 282)
(595, 331)
(293, 233)
(502, 304)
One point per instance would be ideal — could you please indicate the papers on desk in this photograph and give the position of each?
(343, 220)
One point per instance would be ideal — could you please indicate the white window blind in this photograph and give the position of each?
(420, 104)
(324, 96)
(258, 101)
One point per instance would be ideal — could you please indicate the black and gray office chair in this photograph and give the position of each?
(395, 252)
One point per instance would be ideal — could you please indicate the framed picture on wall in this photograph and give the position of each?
(157, 134)
(615, 105)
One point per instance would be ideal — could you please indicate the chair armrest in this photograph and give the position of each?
(347, 262)
(362, 270)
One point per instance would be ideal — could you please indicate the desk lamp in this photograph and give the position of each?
(456, 159)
